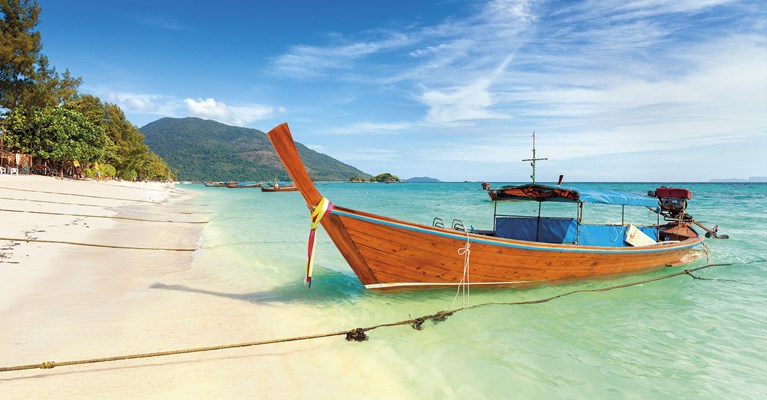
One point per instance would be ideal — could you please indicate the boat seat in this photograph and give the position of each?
(550, 230)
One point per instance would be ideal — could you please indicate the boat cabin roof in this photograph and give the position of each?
(570, 194)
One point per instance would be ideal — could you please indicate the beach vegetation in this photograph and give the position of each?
(27, 81)
(129, 155)
(57, 135)
(44, 114)
(105, 171)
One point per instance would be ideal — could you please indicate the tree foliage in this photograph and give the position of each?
(56, 134)
(27, 81)
(47, 117)
(127, 151)
(19, 47)
(385, 177)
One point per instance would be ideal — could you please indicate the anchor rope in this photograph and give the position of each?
(109, 246)
(356, 334)
(463, 285)
(706, 250)
(103, 216)
(90, 205)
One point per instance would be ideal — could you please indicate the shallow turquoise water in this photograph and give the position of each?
(676, 338)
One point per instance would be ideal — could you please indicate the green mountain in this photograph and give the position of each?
(205, 150)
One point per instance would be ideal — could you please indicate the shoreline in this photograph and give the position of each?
(64, 301)
(86, 303)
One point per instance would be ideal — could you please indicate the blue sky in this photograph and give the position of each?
(616, 90)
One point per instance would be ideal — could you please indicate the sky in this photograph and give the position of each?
(615, 90)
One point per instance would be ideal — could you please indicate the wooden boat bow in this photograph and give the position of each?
(285, 146)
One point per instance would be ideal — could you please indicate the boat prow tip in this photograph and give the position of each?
(285, 146)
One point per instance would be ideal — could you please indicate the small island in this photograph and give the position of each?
(385, 178)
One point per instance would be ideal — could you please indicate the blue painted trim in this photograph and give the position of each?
(512, 245)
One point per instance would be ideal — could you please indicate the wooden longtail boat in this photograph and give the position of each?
(216, 184)
(388, 254)
(280, 188)
(244, 185)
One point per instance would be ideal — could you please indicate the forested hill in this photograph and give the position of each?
(205, 150)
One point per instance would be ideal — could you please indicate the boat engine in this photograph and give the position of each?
(672, 201)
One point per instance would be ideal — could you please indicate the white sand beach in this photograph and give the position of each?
(65, 302)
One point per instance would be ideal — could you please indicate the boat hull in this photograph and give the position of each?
(279, 189)
(401, 255)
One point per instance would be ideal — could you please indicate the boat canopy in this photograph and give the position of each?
(570, 194)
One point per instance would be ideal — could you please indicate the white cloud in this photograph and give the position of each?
(368, 154)
(239, 115)
(317, 147)
(458, 104)
(310, 61)
(370, 128)
(144, 103)
(208, 108)
(594, 78)
(155, 105)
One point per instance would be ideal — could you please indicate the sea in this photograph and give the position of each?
(676, 338)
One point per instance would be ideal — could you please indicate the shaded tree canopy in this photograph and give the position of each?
(47, 116)
(27, 81)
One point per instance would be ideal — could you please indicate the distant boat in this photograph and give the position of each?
(388, 254)
(279, 188)
(215, 184)
(244, 185)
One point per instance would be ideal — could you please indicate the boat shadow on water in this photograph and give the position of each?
(331, 286)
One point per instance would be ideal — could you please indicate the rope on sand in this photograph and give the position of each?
(82, 195)
(108, 246)
(104, 216)
(90, 205)
(357, 334)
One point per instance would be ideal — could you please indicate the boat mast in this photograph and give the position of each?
(533, 160)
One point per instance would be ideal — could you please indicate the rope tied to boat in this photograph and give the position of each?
(323, 208)
(463, 285)
(356, 334)
(706, 250)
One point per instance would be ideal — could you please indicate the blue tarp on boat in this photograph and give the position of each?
(532, 229)
(614, 197)
(564, 230)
